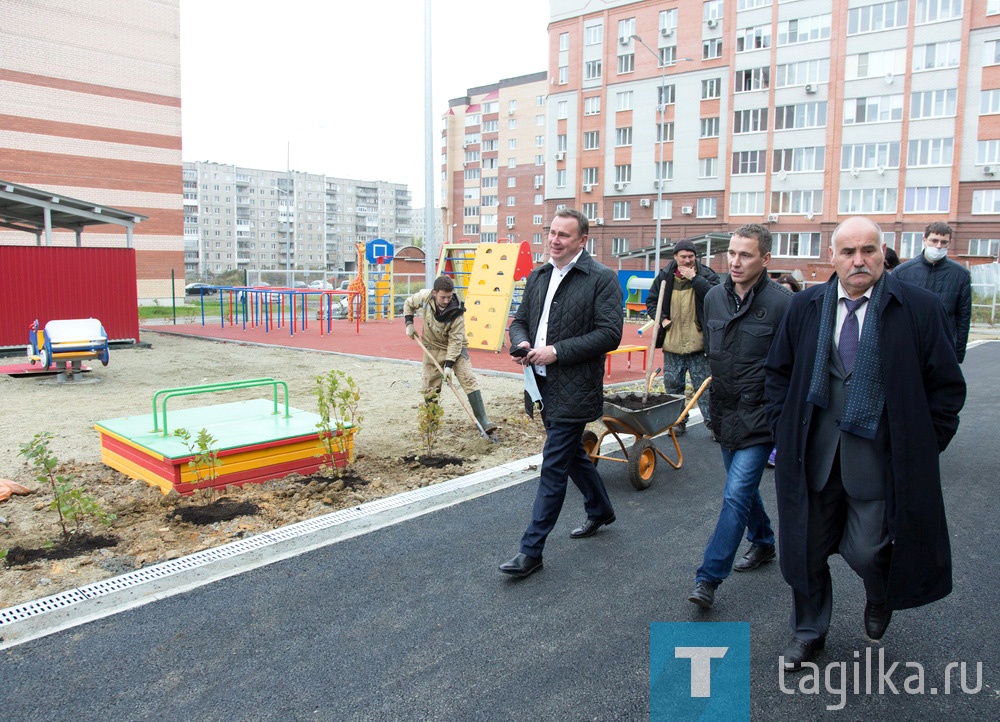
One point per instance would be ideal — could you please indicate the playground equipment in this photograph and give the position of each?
(70, 341)
(488, 274)
(254, 441)
(635, 301)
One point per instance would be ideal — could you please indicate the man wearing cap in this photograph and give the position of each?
(680, 333)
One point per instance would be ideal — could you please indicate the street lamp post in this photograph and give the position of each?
(661, 140)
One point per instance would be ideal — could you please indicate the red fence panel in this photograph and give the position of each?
(49, 283)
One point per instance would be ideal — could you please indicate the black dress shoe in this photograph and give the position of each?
(757, 554)
(591, 526)
(703, 594)
(798, 651)
(521, 566)
(876, 620)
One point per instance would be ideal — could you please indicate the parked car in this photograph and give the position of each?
(198, 289)
(320, 286)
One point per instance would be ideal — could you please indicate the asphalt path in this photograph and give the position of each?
(413, 621)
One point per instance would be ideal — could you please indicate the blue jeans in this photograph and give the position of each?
(742, 509)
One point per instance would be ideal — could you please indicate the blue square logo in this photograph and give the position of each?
(699, 671)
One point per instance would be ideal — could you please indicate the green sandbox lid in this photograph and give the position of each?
(234, 425)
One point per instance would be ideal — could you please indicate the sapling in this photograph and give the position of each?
(205, 459)
(429, 417)
(338, 398)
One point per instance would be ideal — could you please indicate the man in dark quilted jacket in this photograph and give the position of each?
(569, 318)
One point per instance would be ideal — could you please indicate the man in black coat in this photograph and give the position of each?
(569, 317)
(950, 281)
(681, 332)
(864, 389)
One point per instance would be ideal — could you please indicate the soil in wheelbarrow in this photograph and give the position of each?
(633, 401)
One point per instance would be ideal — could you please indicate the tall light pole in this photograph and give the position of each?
(662, 139)
(430, 247)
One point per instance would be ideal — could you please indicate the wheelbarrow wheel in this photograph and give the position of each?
(590, 444)
(641, 463)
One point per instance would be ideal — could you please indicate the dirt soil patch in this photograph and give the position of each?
(151, 527)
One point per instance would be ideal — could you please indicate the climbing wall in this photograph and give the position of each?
(495, 270)
(456, 261)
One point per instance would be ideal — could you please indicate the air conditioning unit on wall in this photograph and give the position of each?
(644, 202)
(773, 218)
(598, 221)
(560, 156)
(988, 170)
(687, 210)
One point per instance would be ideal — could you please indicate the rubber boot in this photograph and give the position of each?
(479, 410)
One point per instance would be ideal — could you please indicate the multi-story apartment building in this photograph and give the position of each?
(91, 108)
(493, 144)
(793, 113)
(245, 218)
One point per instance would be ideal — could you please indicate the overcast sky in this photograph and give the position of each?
(260, 77)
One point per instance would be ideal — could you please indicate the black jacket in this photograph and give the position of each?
(704, 279)
(585, 322)
(737, 343)
(952, 283)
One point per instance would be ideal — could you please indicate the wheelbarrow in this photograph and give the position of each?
(663, 413)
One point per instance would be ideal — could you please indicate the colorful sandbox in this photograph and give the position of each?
(255, 441)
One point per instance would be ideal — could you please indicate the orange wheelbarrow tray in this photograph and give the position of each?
(643, 424)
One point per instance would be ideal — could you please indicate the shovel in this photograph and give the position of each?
(652, 341)
(461, 402)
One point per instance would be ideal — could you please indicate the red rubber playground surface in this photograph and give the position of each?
(387, 339)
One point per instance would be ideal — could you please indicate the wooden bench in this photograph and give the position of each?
(628, 350)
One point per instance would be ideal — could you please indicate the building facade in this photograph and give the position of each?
(252, 219)
(493, 146)
(790, 113)
(91, 108)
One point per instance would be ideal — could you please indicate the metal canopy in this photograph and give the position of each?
(703, 243)
(34, 210)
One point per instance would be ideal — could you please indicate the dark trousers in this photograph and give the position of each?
(856, 529)
(563, 458)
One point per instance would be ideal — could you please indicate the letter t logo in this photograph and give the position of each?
(701, 666)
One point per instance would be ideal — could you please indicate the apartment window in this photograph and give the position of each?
(870, 155)
(511, 201)
(536, 220)
(872, 18)
(988, 151)
(512, 182)
(993, 7)
(491, 126)
(564, 41)
(804, 30)
(562, 142)
(512, 124)
(626, 63)
(809, 158)
(986, 201)
(665, 132)
(753, 38)
(709, 127)
(749, 162)
(591, 176)
(592, 70)
(471, 174)
(491, 145)
(471, 211)
(472, 119)
(711, 88)
(991, 52)
(563, 74)
(806, 71)
(540, 100)
(592, 140)
(560, 179)
(592, 105)
(867, 200)
(668, 19)
(490, 163)
(712, 10)
(876, 64)
(540, 141)
(490, 201)
(932, 11)
(707, 207)
(804, 115)
(797, 202)
(623, 173)
(665, 95)
(622, 210)
(711, 48)
(663, 170)
(667, 56)
(539, 120)
(746, 204)
(937, 55)
(539, 180)
(470, 229)
(664, 210)
(589, 210)
(539, 160)
(593, 34)
(623, 101)
(623, 137)
(930, 152)
(751, 4)
(562, 109)
(751, 79)
(708, 167)
(491, 182)
(932, 199)
(626, 28)
(933, 104)
(795, 245)
(619, 246)
(752, 120)
(984, 247)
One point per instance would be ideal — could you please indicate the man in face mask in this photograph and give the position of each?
(951, 281)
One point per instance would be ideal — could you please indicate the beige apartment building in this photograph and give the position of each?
(791, 113)
(269, 220)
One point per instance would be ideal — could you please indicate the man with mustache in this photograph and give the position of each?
(864, 391)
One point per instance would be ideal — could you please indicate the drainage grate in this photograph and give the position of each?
(260, 541)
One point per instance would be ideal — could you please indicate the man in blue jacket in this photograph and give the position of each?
(569, 317)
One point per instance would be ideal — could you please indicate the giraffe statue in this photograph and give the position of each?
(359, 302)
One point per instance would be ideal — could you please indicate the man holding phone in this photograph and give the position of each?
(570, 316)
